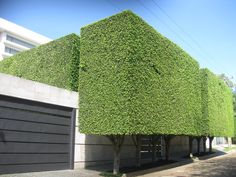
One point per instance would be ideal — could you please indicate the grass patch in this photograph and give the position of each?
(226, 149)
(110, 174)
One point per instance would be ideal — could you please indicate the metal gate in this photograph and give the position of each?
(35, 136)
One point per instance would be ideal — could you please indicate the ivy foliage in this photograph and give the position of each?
(135, 81)
(217, 109)
(55, 63)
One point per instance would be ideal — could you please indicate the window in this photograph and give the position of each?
(11, 50)
(20, 42)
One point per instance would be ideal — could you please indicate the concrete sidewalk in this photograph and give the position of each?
(220, 166)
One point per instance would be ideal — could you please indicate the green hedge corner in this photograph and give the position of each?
(135, 81)
(55, 63)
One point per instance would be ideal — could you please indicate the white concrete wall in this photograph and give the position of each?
(31, 90)
(94, 150)
(91, 150)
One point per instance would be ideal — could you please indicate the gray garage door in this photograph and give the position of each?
(35, 136)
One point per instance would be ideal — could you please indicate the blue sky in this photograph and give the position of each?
(206, 29)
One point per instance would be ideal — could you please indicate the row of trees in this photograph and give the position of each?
(132, 81)
(136, 82)
(232, 85)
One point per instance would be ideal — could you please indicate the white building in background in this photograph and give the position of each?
(15, 38)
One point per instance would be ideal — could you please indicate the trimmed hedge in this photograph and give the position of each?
(55, 63)
(135, 81)
(217, 106)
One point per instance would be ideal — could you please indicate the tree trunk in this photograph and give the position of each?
(229, 140)
(198, 145)
(117, 141)
(204, 144)
(210, 143)
(190, 146)
(116, 166)
(137, 143)
(167, 139)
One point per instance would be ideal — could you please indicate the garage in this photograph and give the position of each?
(34, 136)
(37, 125)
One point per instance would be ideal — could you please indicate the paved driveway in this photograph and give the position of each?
(224, 166)
(61, 173)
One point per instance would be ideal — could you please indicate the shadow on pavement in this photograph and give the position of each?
(185, 161)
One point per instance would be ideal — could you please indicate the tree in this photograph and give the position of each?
(137, 142)
(134, 81)
(117, 141)
(217, 107)
(228, 81)
(231, 84)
